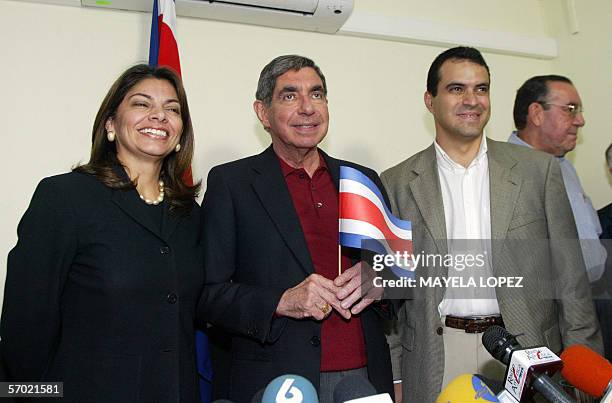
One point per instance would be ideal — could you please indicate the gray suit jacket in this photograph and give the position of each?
(528, 203)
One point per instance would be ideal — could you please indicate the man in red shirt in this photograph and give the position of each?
(270, 236)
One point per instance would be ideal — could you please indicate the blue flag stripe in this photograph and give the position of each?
(355, 175)
(373, 245)
(154, 41)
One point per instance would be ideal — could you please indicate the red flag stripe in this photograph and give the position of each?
(168, 48)
(356, 207)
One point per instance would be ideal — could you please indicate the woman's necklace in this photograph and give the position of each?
(160, 197)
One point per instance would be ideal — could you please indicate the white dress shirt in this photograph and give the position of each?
(467, 212)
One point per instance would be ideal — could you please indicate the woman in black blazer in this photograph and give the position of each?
(102, 285)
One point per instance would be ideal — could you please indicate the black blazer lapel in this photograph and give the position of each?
(130, 203)
(170, 221)
(271, 188)
(334, 168)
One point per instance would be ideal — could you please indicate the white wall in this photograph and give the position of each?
(58, 62)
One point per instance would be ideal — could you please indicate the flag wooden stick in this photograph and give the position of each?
(339, 259)
(339, 231)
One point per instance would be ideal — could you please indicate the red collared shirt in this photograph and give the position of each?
(316, 203)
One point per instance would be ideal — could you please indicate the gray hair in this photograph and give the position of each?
(278, 67)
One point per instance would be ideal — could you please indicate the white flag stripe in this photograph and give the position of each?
(365, 229)
(361, 228)
(351, 186)
(168, 9)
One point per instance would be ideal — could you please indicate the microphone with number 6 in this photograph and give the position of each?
(588, 371)
(467, 388)
(527, 367)
(290, 389)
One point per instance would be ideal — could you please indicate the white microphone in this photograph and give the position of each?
(527, 367)
(357, 389)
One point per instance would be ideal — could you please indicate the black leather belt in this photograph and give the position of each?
(473, 325)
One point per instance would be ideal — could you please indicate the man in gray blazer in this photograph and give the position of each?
(508, 201)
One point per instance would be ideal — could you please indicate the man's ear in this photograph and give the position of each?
(262, 113)
(428, 98)
(535, 114)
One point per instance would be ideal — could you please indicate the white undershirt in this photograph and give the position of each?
(467, 212)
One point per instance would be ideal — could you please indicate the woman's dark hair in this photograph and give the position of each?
(103, 160)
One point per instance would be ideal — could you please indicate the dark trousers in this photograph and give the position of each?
(329, 380)
(603, 307)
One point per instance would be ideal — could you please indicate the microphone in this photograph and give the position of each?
(466, 388)
(588, 371)
(290, 389)
(357, 389)
(527, 367)
(498, 388)
(493, 384)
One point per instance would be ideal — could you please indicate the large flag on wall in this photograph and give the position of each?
(163, 50)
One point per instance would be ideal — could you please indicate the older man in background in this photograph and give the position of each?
(547, 116)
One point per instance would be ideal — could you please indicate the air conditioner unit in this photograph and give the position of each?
(307, 15)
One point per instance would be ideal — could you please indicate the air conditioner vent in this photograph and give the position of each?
(307, 15)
